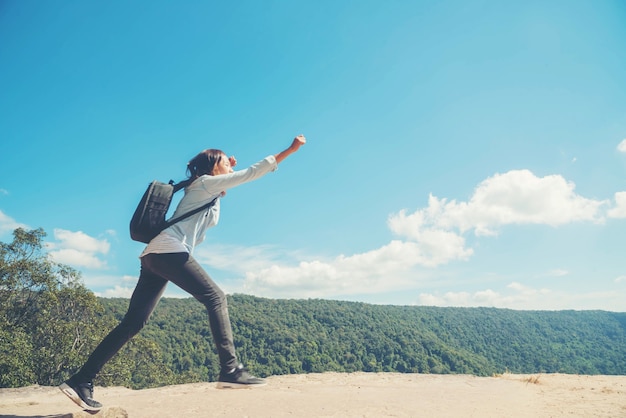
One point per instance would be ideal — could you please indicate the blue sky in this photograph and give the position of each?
(460, 153)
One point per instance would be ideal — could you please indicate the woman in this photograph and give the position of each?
(168, 258)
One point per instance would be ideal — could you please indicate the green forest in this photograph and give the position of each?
(49, 323)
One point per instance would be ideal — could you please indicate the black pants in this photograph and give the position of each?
(156, 270)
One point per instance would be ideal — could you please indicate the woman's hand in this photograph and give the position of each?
(232, 160)
(298, 142)
(295, 146)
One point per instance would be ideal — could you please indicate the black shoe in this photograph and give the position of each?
(81, 394)
(239, 379)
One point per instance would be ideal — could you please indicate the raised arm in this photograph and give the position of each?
(295, 146)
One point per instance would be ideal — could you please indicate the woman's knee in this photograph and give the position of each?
(132, 326)
(214, 299)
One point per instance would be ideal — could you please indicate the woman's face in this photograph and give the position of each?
(224, 166)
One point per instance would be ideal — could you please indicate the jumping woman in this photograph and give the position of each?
(168, 258)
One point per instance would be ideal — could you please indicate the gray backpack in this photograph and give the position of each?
(149, 217)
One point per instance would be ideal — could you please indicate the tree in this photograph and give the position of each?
(48, 319)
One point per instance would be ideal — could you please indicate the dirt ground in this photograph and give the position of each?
(346, 395)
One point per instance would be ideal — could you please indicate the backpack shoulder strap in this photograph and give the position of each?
(179, 186)
(191, 212)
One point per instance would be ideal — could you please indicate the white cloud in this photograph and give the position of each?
(522, 297)
(117, 292)
(622, 146)
(439, 243)
(525, 290)
(77, 258)
(386, 268)
(620, 279)
(237, 258)
(102, 281)
(518, 296)
(126, 292)
(429, 237)
(558, 273)
(515, 197)
(80, 240)
(8, 224)
(432, 236)
(110, 285)
(78, 249)
(619, 210)
(4, 192)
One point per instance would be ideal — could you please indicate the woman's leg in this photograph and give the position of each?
(145, 297)
(185, 272)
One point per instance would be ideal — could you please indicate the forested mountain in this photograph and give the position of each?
(298, 336)
(50, 322)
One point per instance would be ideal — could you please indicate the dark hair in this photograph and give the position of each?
(203, 163)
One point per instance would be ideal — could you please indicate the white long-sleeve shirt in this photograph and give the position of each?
(184, 235)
